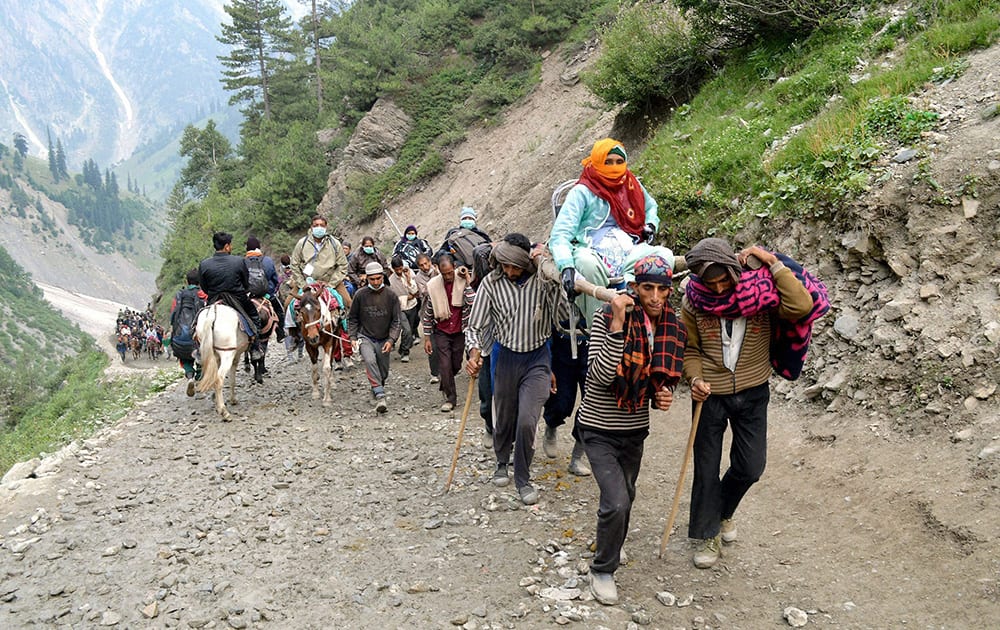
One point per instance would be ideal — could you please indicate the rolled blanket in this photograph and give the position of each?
(755, 292)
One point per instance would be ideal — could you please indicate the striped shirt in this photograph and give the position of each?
(520, 315)
(599, 409)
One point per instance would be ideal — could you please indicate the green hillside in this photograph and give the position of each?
(758, 109)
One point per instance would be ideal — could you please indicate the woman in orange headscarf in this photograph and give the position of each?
(606, 223)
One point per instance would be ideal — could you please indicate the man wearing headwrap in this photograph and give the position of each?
(729, 312)
(517, 307)
(605, 225)
(634, 362)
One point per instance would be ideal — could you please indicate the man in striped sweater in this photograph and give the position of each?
(636, 350)
(729, 312)
(516, 306)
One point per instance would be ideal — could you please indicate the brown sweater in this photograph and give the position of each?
(703, 355)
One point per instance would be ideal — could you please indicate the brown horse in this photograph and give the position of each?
(135, 344)
(315, 321)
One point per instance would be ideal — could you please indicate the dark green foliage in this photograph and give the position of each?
(650, 54)
(21, 144)
(738, 22)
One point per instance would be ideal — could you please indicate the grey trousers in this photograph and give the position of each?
(376, 364)
(520, 388)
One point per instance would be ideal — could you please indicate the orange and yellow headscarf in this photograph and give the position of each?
(615, 184)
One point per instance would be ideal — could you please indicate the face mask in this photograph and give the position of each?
(369, 250)
(319, 232)
(378, 288)
(467, 223)
(411, 237)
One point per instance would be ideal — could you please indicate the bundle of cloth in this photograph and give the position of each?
(755, 292)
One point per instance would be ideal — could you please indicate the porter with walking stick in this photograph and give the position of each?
(742, 323)
(636, 350)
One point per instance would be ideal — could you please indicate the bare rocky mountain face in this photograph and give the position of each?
(105, 75)
(880, 506)
(65, 261)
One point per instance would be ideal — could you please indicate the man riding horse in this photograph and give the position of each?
(225, 278)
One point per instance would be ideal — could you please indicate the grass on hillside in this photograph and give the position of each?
(736, 150)
(83, 403)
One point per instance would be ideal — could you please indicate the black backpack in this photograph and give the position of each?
(188, 305)
(258, 279)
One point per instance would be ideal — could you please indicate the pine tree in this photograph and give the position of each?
(61, 159)
(21, 144)
(53, 168)
(257, 36)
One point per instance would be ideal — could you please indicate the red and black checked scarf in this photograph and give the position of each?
(643, 370)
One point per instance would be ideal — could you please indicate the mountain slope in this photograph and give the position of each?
(104, 75)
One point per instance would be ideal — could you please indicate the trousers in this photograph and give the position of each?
(520, 387)
(712, 498)
(615, 461)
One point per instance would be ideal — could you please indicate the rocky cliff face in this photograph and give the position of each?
(373, 149)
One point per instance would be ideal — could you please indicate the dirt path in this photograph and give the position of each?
(293, 516)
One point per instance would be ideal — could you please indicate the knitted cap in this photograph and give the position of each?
(373, 269)
(467, 212)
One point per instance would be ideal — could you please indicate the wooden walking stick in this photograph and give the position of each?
(461, 430)
(680, 481)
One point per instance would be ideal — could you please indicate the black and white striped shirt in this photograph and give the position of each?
(520, 315)
(599, 409)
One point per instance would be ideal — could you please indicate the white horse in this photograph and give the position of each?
(221, 344)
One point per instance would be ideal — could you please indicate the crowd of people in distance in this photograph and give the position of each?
(581, 325)
(138, 333)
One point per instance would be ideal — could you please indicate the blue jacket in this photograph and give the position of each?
(581, 215)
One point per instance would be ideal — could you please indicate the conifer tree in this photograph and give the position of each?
(53, 168)
(257, 35)
(61, 159)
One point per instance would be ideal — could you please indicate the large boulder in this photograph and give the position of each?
(372, 150)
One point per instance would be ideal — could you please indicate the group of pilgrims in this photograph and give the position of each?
(587, 312)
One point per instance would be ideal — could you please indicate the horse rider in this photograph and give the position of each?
(320, 256)
(225, 278)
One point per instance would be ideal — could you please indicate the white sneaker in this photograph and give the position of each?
(446, 407)
(728, 532)
(487, 440)
(338, 366)
(435, 379)
(380, 405)
(602, 586)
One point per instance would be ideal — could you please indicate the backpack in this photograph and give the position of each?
(481, 263)
(258, 279)
(188, 305)
(461, 244)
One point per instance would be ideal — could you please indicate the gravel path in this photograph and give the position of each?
(292, 516)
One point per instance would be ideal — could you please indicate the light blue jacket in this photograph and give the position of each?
(581, 215)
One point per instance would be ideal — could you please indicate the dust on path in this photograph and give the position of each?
(295, 516)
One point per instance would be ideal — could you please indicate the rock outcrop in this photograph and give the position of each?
(372, 150)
